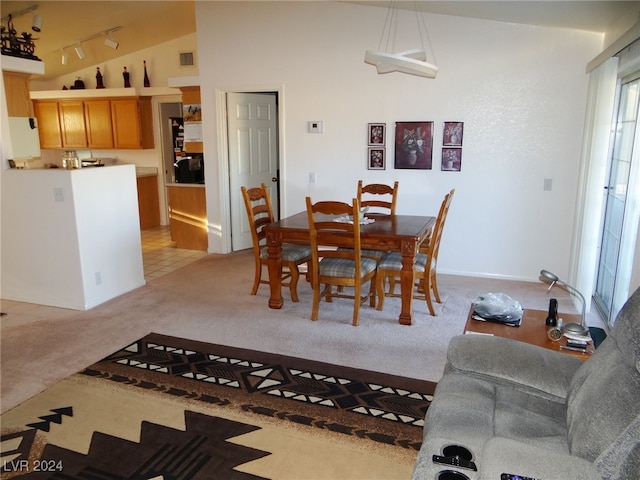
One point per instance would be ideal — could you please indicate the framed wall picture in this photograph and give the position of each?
(451, 159)
(452, 134)
(376, 159)
(377, 133)
(414, 145)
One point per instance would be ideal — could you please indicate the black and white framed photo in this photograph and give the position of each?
(377, 134)
(376, 160)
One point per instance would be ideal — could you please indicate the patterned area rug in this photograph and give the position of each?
(171, 408)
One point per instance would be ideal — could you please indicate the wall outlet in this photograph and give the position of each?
(58, 194)
(312, 177)
(548, 183)
(98, 276)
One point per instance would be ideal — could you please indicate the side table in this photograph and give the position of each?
(532, 330)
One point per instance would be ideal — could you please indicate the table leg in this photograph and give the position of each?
(406, 282)
(274, 265)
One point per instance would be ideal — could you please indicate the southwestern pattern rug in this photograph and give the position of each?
(171, 408)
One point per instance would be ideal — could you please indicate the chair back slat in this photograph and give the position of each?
(257, 202)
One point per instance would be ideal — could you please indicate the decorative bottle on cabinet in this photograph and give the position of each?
(147, 83)
(99, 83)
(125, 75)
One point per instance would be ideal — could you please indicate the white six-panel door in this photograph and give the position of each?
(253, 155)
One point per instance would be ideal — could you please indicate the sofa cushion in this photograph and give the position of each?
(468, 411)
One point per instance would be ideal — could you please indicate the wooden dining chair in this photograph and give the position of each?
(338, 267)
(260, 214)
(378, 196)
(425, 265)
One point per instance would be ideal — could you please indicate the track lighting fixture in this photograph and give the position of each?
(80, 52)
(36, 26)
(65, 57)
(110, 42)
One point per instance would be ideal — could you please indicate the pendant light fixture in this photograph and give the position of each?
(413, 61)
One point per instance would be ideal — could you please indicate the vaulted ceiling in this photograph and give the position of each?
(146, 23)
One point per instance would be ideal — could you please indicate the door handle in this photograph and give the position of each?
(274, 179)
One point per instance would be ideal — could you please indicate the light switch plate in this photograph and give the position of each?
(316, 126)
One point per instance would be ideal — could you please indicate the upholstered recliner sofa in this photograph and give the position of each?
(534, 412)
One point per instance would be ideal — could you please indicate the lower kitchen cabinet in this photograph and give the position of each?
(188, 217)
(148, 201)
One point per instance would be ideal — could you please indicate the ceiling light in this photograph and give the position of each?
(36, 26)
(110, 42)
(413, 61)
(80, 52)
(65, 58)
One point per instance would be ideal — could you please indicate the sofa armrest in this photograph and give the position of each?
(534, 369)
(503, 455)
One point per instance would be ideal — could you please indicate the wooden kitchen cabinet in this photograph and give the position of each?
(48, 124)
(72, 126)
(97, 117)
(16, 87)
(132, 123)
(105, 123)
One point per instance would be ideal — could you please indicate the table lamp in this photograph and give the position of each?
(571, 328)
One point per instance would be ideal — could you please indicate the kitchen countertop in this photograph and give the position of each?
(146, 171)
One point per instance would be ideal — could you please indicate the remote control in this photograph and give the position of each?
(455, 461)
(511, 476)
(576, 344)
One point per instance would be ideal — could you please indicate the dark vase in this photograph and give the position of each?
(147, 83)
(125, 75)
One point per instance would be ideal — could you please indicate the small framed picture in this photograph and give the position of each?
(452, 134)
(376, 158)
(451, 159)
(377, 133)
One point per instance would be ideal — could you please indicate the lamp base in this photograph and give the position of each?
(575, 329)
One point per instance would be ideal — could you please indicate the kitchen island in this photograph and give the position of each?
(70, 238)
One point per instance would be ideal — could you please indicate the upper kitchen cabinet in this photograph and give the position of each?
(132, 123)
(48, 124)
(74, 132)
(97, 117)
(16, 86)
(104, 123)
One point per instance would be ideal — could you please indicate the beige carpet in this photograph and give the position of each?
(209, 300)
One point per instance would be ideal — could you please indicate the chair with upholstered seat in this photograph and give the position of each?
(260, 214)
(342, 267)
(377, 198)
(425, 265)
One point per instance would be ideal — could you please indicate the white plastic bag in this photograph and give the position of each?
(497, 306)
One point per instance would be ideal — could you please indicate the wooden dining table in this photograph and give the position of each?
(398, 233)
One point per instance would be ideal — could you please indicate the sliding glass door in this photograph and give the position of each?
(620, 226)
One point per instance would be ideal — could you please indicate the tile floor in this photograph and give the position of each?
(159, 255)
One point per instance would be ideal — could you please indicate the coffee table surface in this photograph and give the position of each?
(532, 330)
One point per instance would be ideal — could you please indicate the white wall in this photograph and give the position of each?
(520, 91)
(70, 238)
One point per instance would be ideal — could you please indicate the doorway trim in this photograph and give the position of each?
(223, 155)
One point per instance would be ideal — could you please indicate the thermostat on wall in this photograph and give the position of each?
(316, 126)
